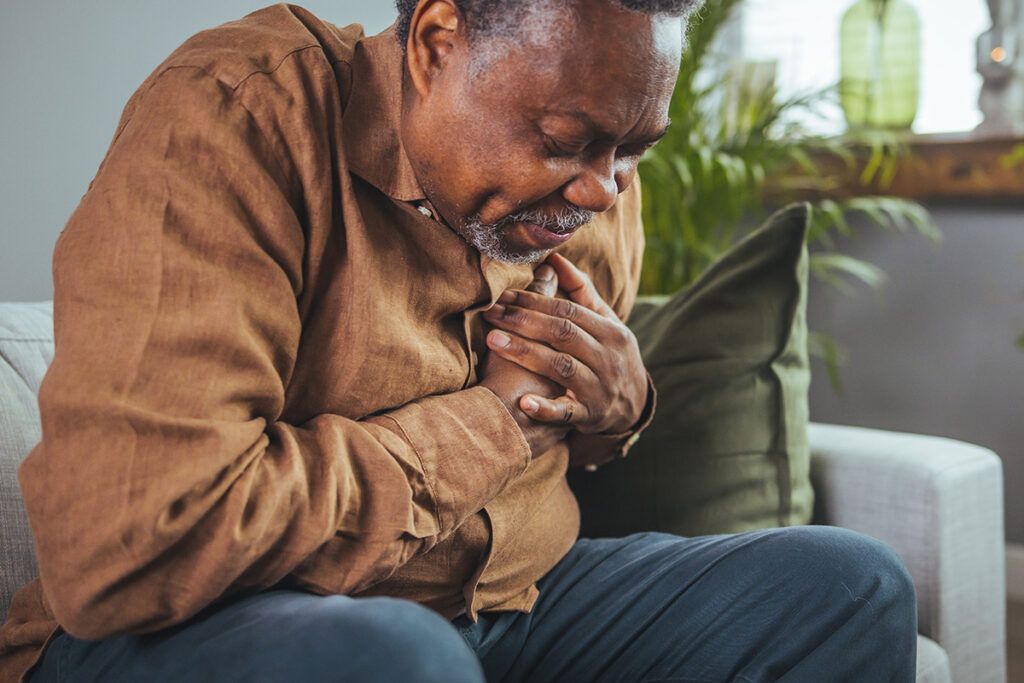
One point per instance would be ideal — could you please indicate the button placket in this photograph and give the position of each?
(473, 358)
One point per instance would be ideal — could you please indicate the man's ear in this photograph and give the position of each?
(436, 29)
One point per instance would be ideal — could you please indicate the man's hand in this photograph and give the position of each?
(581, 344)
(510, 382)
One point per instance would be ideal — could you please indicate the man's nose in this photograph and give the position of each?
(596, 186)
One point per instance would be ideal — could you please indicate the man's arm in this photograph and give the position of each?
(165, 478)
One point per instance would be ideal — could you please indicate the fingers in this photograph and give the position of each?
(564, 410)
(541, 359)
(579, 287)
(603, 329)
(560, 333)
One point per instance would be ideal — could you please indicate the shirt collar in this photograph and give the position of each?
(372, 119)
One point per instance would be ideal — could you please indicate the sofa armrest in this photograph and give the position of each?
(939, 504)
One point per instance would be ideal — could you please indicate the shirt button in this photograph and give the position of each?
(590, 467)
(425, 211)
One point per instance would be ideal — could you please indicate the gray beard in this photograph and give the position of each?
(489, 238)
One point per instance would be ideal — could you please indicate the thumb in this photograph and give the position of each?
(563, 410)
(545, 281)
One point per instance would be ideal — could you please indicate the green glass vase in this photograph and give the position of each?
(880, 64)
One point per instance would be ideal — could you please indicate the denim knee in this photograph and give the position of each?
(400, 639)
(280, 636)
(861, 565)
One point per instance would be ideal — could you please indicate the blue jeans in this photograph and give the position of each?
(811, 603)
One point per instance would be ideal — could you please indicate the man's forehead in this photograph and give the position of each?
(654, 129)
(594, 70)
(602, 99)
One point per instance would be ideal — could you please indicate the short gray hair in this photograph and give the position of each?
(502, 18)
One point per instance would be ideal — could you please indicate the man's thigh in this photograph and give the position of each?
(809, 603)
(278, 636)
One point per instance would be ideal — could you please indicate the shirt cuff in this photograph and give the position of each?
(469, 448)
(618, 445)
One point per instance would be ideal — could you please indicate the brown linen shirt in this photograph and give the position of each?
(266, 358)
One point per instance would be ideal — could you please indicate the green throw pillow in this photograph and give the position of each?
(727, 450)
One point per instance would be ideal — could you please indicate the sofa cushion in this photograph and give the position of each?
(26, 349)
(727, 450)
(932, 662)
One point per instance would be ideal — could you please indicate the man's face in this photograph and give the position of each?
(519, 147)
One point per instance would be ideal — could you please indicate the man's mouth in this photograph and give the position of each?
(548, 238)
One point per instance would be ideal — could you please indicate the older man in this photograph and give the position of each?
(312, 405)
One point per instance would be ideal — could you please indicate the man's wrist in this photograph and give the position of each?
(622, 442)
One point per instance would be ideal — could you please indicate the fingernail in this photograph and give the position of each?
(507, 297)
(499, 339)
(530, 405)
(544, 272)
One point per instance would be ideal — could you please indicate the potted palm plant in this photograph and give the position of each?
(735, 151)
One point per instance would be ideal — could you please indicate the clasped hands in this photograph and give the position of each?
(564, 363)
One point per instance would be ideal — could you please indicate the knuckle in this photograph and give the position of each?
(564, 365)
(565, 309)
(514, 314)
(568, 413)
(566, 331)
(516, 347)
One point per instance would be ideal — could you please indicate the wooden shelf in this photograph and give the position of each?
(954, 167)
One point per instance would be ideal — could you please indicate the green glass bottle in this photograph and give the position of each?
(880, 64)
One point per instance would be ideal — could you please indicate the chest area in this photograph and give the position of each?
(395, 314)
(379, 354)
(393, 309)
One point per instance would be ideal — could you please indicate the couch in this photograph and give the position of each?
(937, 502)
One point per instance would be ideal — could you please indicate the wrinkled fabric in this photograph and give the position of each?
(802, 604)
(266, 358)
(278, 636)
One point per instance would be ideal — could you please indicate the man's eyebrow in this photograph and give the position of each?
(659, 135)
(586, 119)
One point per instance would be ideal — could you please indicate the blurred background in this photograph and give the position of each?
(908, 134)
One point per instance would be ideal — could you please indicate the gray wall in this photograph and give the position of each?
(933, 352)
(68, 70)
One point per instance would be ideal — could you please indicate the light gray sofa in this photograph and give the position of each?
(937, 502)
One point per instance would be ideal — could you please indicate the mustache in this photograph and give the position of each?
(567, 220)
